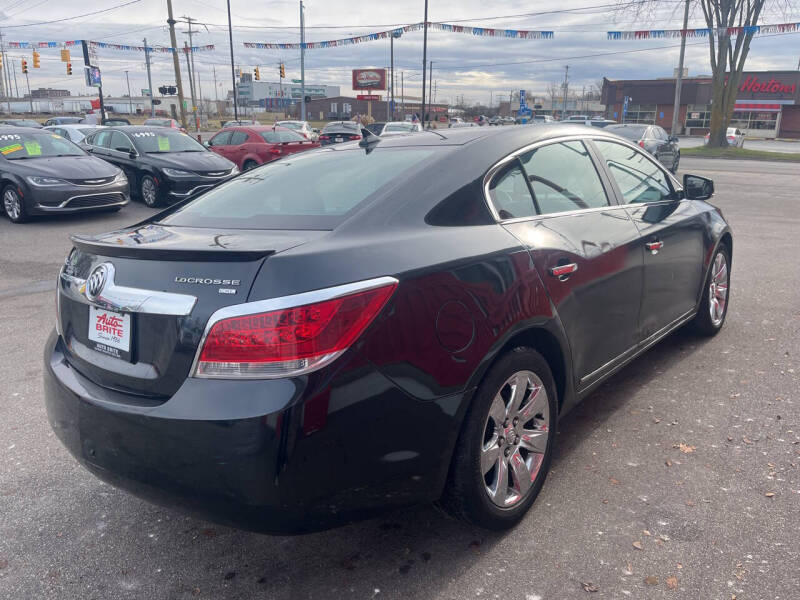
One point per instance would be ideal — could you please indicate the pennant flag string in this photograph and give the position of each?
(649, 34)
(368, 37)
(107, 46)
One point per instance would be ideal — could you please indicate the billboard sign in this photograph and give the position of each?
(369, 79)
(93, 76)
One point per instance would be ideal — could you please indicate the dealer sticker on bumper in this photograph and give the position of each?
(111, 332)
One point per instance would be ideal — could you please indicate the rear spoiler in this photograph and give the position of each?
(94, 246)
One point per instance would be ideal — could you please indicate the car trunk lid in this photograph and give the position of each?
(138, 330)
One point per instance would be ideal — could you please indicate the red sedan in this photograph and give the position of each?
(255, 145)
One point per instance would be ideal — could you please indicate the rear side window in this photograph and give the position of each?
(276, 137)
(238, 137)
(510, 194)
(638, 178)
(102, 139)
(314, 190)
(563, 178)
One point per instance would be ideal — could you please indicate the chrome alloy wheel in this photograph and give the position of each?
(12, 204)
(718, 289)
(149, 191)
(515, 438)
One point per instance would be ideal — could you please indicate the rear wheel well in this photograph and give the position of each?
(727, 241)
(546, 344)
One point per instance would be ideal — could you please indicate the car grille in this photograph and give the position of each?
(215, 173)
(92, 181)
(98, 200)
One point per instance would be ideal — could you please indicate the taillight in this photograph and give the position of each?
(292, 335)
(353, 137)
(324, 137)
(641, 143)
(276, 151)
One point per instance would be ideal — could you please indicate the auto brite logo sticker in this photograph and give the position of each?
(10, 149)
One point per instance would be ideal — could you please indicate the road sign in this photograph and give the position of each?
(145, 92)
(297, 81)
(522, 103)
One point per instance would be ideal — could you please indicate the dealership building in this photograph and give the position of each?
(767, 103)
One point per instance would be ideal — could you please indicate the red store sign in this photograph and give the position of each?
(771, 86)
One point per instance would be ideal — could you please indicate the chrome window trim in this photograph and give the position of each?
(493, 170)
(280, 303)
(127, 299)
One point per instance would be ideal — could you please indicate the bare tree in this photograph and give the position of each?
(554, 90)
(728, 52)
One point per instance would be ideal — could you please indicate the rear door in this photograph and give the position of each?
(671, 230)
(237, 146)
(585, 248)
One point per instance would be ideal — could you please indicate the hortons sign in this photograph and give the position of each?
(369, 79)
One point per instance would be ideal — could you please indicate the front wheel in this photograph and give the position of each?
(149, 192)
(14, 205)
(249, 164)
(714, 305)
(503, 453)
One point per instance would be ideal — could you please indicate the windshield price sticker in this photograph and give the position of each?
(10, 136)
(163, 144)
(33, 148)
(140, 134)
(10, 149)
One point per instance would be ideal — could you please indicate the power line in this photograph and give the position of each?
(96, 12)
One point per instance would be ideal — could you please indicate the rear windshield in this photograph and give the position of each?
(17, 146)
(158, 122)
(164, 140)
(291, 124)
(340, 126)
(400, 127)
(276, 137)
(626, 131)
(311, 190)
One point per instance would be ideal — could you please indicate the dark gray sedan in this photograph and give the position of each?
(44, 173)
(652, 138)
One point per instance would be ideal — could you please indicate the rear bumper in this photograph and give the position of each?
(258, 455)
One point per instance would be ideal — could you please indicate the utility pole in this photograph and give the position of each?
(430, 86)
(149, 79)
(676, 107)
(233, 73)
(391, 75)
(402, 96)
(86, 65)
(302, 64)
(566, 88)
(424, 59)
(176, 62)
(186, 51)
(130, 100)
(16, 87)
(30, 98)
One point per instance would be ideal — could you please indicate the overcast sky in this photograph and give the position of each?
(474, 67)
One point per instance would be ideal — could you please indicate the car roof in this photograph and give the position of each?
(141, 128)
(77, 126)
(259, 128)
(19, 129)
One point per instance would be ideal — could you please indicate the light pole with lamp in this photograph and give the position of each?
(395, 34)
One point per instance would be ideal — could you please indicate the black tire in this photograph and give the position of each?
(703, 323)
(153, 200)
(466, 494)
(249, 164)
(17, 214)
(676, 163)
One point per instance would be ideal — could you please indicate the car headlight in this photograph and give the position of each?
(121, 176)
(235, 170)
(45, 181)
(177, 173)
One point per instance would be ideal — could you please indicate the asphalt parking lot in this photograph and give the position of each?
(678, 478)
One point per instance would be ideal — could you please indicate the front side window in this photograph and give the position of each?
(101, 139)
(563, 178)
(121, 142)
(638, 177)
(223, 138)
(238, 138)
(510, 194)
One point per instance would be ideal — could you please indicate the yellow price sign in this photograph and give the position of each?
(163, 144)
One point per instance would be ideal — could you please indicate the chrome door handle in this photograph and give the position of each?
(654, 247)
(563, 271)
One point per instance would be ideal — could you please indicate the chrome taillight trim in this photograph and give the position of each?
(284, 302)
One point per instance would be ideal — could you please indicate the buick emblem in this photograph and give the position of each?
(96, 281)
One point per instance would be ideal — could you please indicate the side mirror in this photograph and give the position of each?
(206, 144)
(697, 188)
(133, 154)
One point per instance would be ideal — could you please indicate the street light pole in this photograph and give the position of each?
(233, 72)
(302, 64)
(130, 100)
(676, 107)
(149, 79)
(176, 63)
(424, 60)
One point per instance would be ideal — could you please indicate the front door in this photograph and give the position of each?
(220, 144)
(671, 233)
(584, 248)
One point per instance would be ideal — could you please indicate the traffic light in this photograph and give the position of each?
(36, 64)
(69, 68)
(283, 71)
(256, 74)
(162, 89)
(24, 66)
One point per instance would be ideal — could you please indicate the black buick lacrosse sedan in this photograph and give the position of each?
(376, 324)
